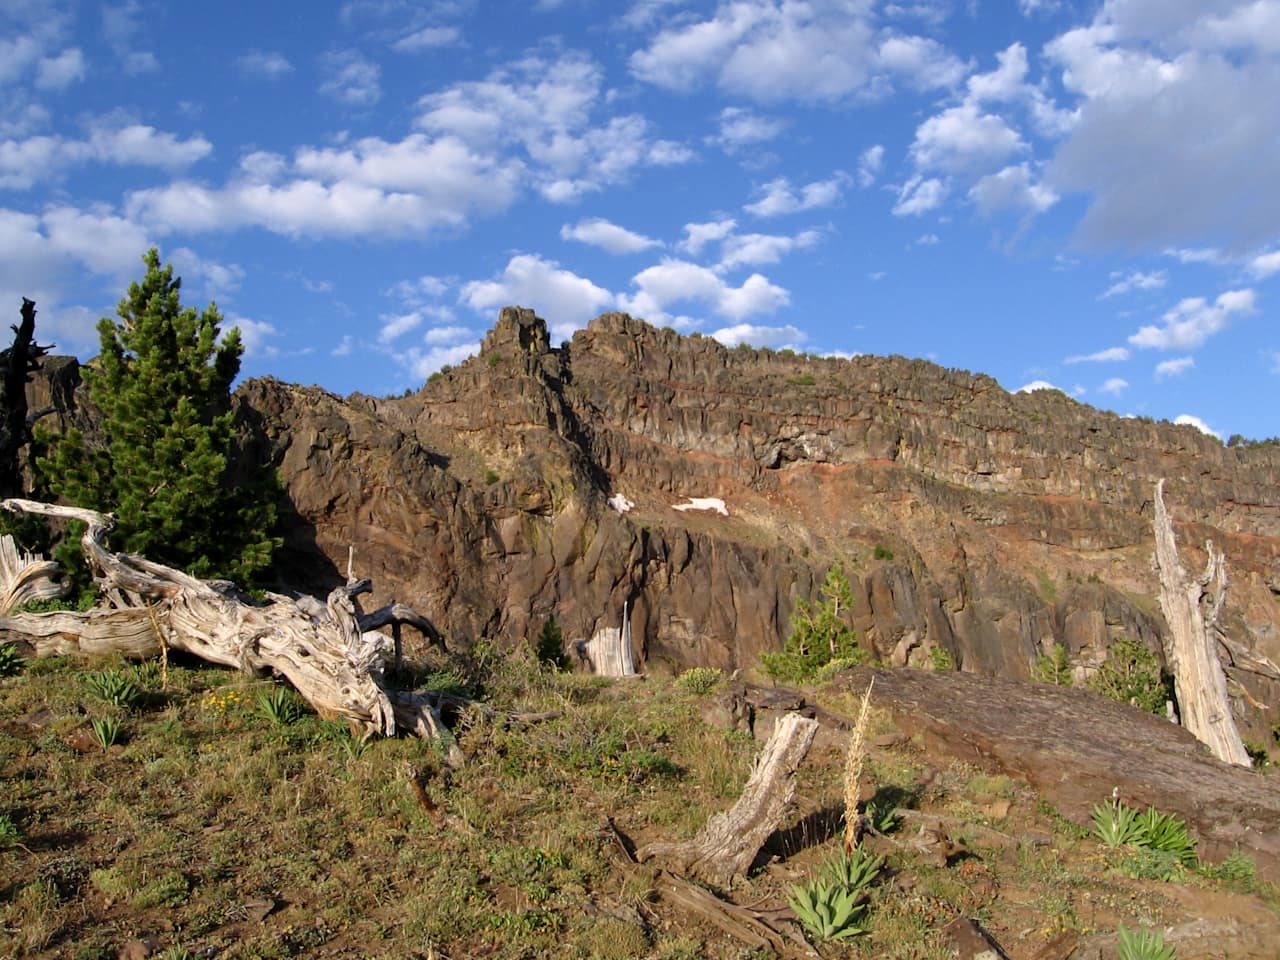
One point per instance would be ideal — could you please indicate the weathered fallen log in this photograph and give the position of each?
(1191, 606)
(728, 844)
(25, 577)
(325, 651)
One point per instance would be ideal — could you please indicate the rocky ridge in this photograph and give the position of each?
(971, 521)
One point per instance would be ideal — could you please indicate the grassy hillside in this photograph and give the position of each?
(228, 821)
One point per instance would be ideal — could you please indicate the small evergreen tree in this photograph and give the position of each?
(818, 636)
(162, 383)
(549, 647)
(1131, 674)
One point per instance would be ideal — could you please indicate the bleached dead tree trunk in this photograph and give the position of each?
(1191, 607)
(325, 650)
(728, 843)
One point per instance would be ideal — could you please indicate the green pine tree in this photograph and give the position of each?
(818, 635)
(162, 383)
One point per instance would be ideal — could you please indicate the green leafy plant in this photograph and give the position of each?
(881, 813)
(818, 635)
(941, 660)
(1131, 674)
(1142, 944)
(1115, 824)
(107, 731)
(1237, 868)
(9, 832)
(882, 552)
(1053, 667)
(699, 680)
(10, 662)
(113, 688)
(833, 907)
(1168, 834)
(281, 706)
(1162, 840)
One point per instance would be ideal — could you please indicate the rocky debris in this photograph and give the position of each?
(1075, 747)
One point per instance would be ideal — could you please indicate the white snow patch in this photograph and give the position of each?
(704, 503)
(620, 503)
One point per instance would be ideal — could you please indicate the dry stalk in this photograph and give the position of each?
(853, 760)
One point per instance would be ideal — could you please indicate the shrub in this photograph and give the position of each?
(549, 647)
(1131, 674)
(1162, 840)
(699, 680)
(10, 662)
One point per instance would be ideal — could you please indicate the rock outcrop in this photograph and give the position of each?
(969, 520)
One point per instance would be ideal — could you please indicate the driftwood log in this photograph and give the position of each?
(1191, 606)
(327, 651)
(728, 843)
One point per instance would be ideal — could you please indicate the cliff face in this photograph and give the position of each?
(970, 520)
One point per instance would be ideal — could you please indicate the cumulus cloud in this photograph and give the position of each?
(254, 334)
(599, 232)
(1114, 386)
(1110, 355)
(1173, 368)
(1013, 189)
(419, 291)
(567, 300)
(869, 165)
(918, 196)
(1137, 280)
(740, 127)
(1035, 385)
(146, 146)
(544, 108)
(755, 249)
(264, 63)
(922, 61)
(369, 187)
(422, 363)
(759, 336)
(352, 80)
(698, 235)
(1186, 419)
(780, 197)
(57, 73)
(216, 280)
(1193, 321)
(962, 139)
(1265, 264)
(395, 326)
(678, 281)
(428, 38)
(101, 240)
(1167, 107)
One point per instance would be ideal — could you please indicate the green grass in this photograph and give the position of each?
(209, 805)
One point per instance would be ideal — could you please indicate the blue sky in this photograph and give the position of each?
(1081, 195)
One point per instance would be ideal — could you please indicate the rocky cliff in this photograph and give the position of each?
(972, 521)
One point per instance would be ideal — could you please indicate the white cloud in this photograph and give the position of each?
(918, 196)
(1007, 82)
(122, 27)
(698, 235)
(419, 291)
(869, 165)
(146, 146)
(1011, 189)
(1193, 321)
(1186, 419)
(369, 187)
(599, 232)
(927, 240)
(427, 38)
(254, 335)
(924, 62)
(1035, 385)
(740, 127)
(344, 347)
(264, 63)
(1166, 110)
(759, 336)
(438, 335)
(962, 139)
(102, 241)
(352, 80)
(545, 108)
(57, 73)
(760, 248)
(1110, 355)
(216, 280)
(567, 300)
(1265, 264)
(1135, 281)
(423, 363)
(1114, 386)
(1174, 368)
(678, 281)
(395, 326)
(780, 197)
(769, 50)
